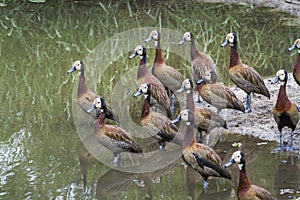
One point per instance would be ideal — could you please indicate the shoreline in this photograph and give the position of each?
(289, 6)
(260, 122)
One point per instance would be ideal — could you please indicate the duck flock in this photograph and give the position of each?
(160, 88)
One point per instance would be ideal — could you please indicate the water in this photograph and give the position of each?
(41, 154)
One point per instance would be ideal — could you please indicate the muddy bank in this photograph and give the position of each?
(289, 6)
(260, 122)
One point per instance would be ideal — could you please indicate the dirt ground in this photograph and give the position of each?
(260, 122)
(289, 6)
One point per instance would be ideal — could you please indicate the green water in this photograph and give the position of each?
(41, 153)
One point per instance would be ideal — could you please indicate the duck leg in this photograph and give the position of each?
(248, 103)
(219, 112)
(199, 99)
(291, 148)
(117, 159)
(172, 103)
(205, 185)
(162, 145)
(220, 137)
(199, 136)
(280, 148)
(207, 138)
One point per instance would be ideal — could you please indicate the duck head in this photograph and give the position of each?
(186, 85)
(98, 104)
(210, 77)
(281, 76)
(186, 115)
(187, 37)
(139, 50)
(295, 45)
(154, 35)
(77, 66)
(237, 157)
(143, 89)
(231, 39)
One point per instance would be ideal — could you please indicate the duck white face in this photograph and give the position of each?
(210, 77)
(295, 45)
(184, 114)
(187, 37)
(237, 157)
(207, 76)
(144, 88)
(281, 75)
(187, 84)
(154, 35)
(77, 66)
(187, 116)
(230, 39)
(139, 50)
(97, 103)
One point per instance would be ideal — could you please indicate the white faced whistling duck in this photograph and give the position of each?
(112, 137)
(244, 76)
(200, 62)
(204, 118)
(155, 123)
(285, 112)
(85, 97)
(144, 76)
(216, 94)
(198, 156)
(246, 190)
(168, 76)
(296, 71)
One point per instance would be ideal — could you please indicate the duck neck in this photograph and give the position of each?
(244, 182)
(194, 51)
(199, 86)
(146, 107)
(283, 101)
(234, 56)
(158, 55)
(157, 43)
(100, 120)
(190, 100)
(142, 70)
(82, 88)
(297, 65)
(188, 138)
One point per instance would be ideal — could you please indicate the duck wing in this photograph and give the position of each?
(248, 79)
